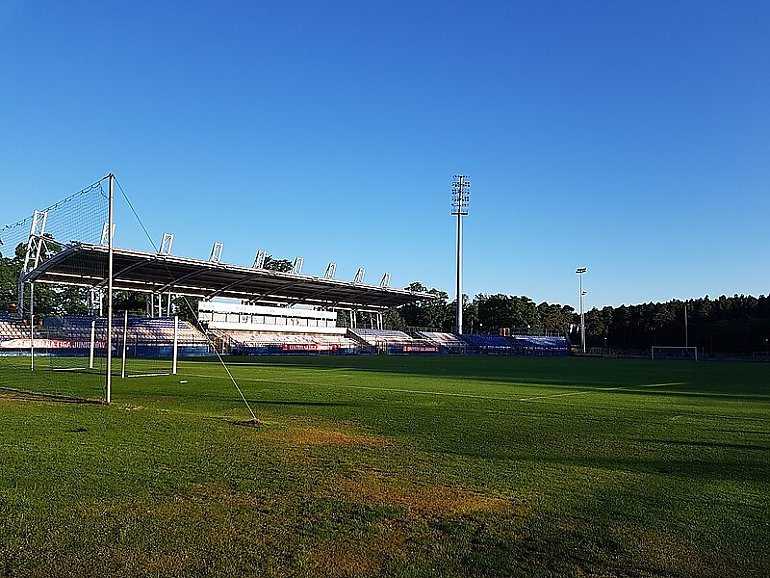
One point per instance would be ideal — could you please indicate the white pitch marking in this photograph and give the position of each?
(441, 393)
(599, 390)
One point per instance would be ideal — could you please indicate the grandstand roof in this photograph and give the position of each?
(85, 265)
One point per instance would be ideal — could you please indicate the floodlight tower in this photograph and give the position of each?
(461, 189)
(580, 271)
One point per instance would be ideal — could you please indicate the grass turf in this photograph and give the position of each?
(392, 466)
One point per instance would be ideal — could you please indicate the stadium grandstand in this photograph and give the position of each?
(241, 310)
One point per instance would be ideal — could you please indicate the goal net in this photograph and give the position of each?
(30, 336)
(659, 352)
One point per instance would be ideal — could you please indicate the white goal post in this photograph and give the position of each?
(672, 352)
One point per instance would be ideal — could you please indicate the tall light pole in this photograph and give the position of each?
(580, 271)
(461, 189)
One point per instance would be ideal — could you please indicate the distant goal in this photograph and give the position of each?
(660, 353)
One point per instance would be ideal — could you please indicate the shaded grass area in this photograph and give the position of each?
(395, 467)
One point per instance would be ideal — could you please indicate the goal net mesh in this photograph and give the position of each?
(38, 334)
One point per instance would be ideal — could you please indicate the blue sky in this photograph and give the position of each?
(629, 137)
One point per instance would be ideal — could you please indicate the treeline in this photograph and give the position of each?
(738, 324)
(491, 314)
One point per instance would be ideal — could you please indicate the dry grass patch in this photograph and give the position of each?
(667, 551)
(317, 432)
(346, 558)
(318, 436)
(426, 500)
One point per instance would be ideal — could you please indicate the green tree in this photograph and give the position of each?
(392, 319)
(495, 312)
(280, 265)
(10, 267)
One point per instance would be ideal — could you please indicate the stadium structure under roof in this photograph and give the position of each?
(85, 265)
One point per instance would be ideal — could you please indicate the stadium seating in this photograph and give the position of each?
(260, 343)
(392, 341)
(378, 336)
(540, 345)
(489, 344)
(11, 328)
(447, 342)
(518, 345)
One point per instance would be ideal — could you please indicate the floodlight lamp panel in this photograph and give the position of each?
(331, 269)
(259, 259)
(216, 252)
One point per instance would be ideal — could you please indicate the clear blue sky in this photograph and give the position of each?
(629, 137)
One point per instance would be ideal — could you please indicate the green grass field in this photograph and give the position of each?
(391, 466)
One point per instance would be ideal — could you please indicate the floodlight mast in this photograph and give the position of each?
(110, 235)
(461, 186)
(580, 271)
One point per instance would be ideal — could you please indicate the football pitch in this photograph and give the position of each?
(390, 466)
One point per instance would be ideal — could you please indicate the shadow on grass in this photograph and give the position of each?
(753, 470)
(699, 394)
(707, 444)
(569, 372)
(517, 370)
(24, 395)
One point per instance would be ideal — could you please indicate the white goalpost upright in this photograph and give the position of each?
(92, 345)
(175, 350)
(110, 235)
(659, 352)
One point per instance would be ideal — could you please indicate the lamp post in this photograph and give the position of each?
(580, 271)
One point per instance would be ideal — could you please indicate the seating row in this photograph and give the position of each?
(250, 339)
(145, 329)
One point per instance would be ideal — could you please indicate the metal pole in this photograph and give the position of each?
(580, 271)
(459, 314)
(93, 343)
(125, 343)
(108, 385)
(582, 324)
(176, 345)
(582, 317)
(32, 326)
